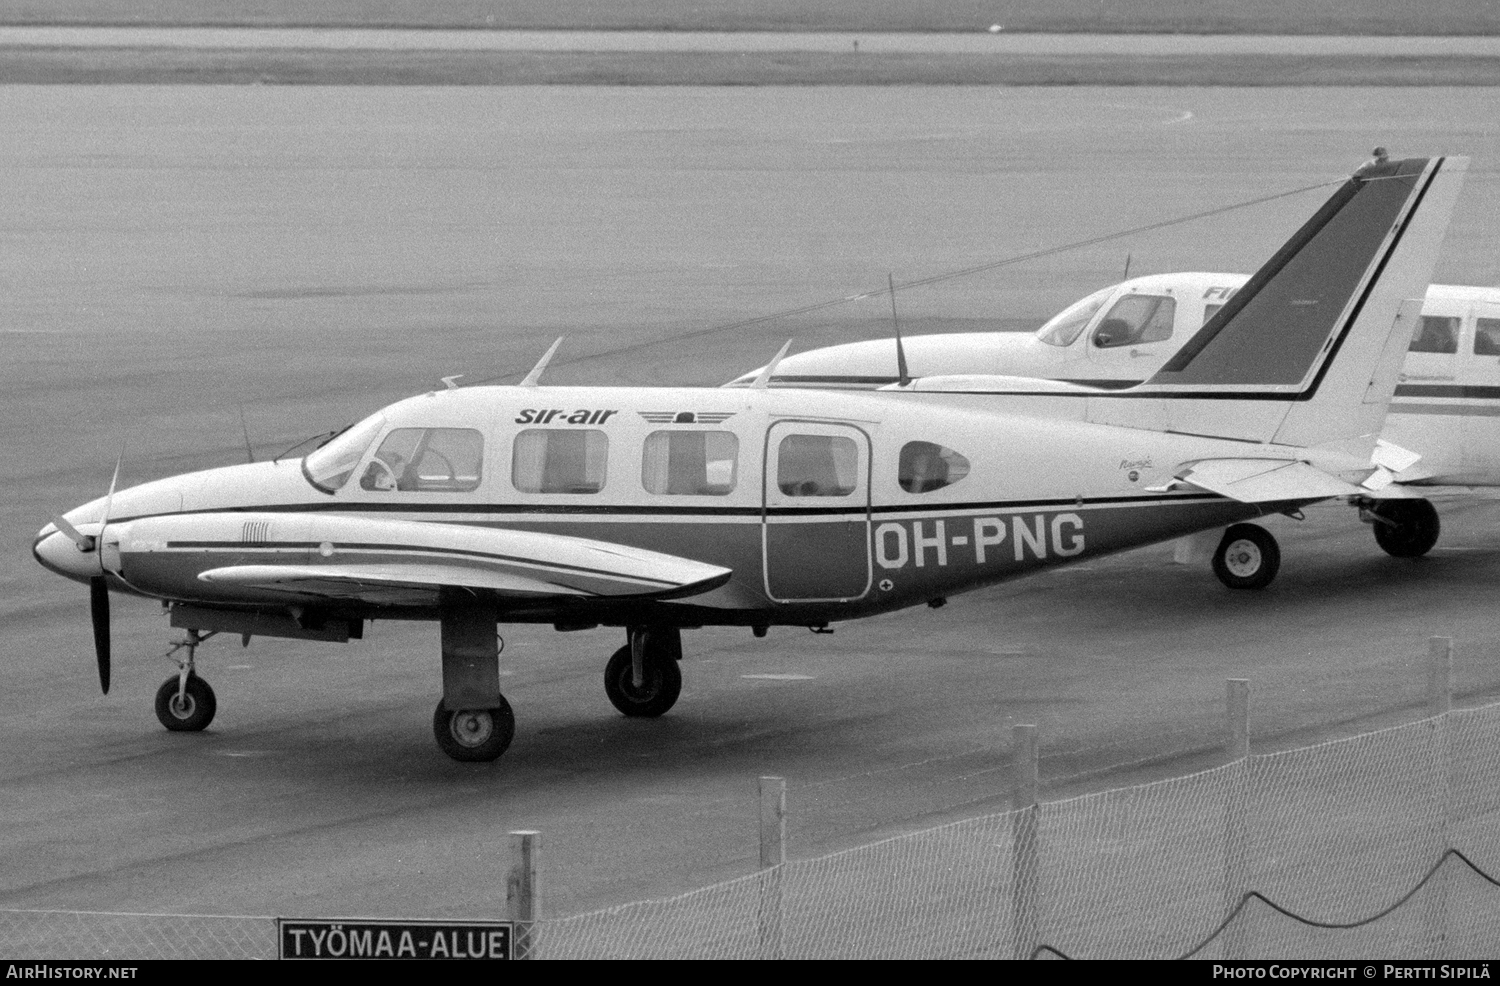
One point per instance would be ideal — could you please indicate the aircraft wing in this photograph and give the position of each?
(388, 584)
(1445, 491)
(408, 563)
(1264, 480)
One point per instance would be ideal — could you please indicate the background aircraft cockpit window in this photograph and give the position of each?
(1136, 318)
(1437, 334)
(817, 465)
(1487, 337)
(445, 460)
(329, 468)
(559, 460)
(698, 463)
(925, 466)
(1061, 329)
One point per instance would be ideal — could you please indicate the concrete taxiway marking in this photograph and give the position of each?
(780, 677)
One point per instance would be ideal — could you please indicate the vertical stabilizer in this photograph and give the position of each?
(1303, 353)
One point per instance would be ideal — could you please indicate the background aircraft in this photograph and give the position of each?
(1446, 406)
(661, 509)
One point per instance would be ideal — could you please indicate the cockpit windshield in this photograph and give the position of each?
(1061, 329)
(330, 467)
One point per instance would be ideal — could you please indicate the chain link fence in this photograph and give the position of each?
(1285, 855)
(1383, 844)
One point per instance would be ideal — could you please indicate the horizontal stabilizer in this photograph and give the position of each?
(1391, 456)
(1264, 480)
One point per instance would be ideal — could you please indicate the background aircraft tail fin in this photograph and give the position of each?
(1308, 351)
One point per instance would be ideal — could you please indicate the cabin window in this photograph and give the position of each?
(1061, 329)
(690, 463)
(817, 465)
(426, 460)
(1487, 337)
(1136, 318)
(559, 460)
(1209, 311)
(330, 467)
(925, 466)
(1437, 334)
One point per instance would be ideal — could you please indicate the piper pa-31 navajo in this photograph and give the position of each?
(663, 509)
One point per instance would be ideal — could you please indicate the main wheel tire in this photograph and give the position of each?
(474, 735)
(1247, 557)
(1413, 530)
(195, 709)
(657, 693)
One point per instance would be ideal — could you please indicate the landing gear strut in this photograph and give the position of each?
(184, 702)
(1403, 528)
(1247, 557)
(642, 679)
(473, 722)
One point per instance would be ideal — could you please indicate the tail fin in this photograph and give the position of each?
(1308, 351)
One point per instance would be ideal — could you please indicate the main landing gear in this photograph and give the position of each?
(1247, 557)
(1403, 528)
(643, 678)
(474, 735)
(184, 702)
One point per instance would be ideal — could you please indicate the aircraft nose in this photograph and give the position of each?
(58, 553)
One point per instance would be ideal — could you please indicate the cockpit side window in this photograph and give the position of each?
(1135, 319)
(1061, 329)
(927, 466)
(1437, 334)
(425, 460)
(559, 460)
(330, 467)
(1487, 337)
(700, 463)
(817, 465)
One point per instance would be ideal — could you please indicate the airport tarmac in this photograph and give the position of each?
(172, 255)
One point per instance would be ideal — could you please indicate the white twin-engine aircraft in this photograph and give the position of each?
(659, 509)
(1446, 408)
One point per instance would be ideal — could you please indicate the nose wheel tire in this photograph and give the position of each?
(474, 735)
(1406, 528)
(188, 712)
(657, 692)
(1247, 557)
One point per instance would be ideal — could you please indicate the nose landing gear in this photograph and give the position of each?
(185, 702)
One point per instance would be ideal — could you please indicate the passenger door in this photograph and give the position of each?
(816, 512)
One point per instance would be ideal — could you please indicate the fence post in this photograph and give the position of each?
(1236, 828)
(1025, 875)
(523, 892)
(772, 856)
(1439, 703)
(1439, 675)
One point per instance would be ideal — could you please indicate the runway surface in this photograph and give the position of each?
(172, 255)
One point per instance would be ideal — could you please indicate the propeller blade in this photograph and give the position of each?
(84, 542)
(109, 498)
(99, 609)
